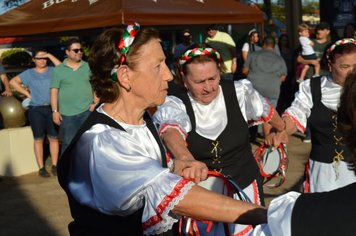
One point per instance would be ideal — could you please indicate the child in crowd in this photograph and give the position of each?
(308, 52)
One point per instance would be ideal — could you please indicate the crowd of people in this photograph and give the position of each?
(130, 151)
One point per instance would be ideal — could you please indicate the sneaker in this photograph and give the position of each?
(43, 172)
(54, 170)
(307, 140)
(299, 81)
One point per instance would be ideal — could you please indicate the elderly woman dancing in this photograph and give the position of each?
(209, 122)
(115, 172)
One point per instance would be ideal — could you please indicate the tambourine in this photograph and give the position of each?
(218, 183)
(273, 162)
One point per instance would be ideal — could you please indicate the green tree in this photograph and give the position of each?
(267, 8)
(13, 3)
(310, 7)
(16, 57)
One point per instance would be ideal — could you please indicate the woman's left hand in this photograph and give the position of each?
(276, 138)
(191, 169)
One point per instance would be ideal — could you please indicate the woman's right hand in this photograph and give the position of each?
(57, 118)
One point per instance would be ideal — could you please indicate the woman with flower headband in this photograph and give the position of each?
(209, 122)
(316, 103)
(327, 213)
(115, 171)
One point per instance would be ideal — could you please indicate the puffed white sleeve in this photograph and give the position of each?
(300, 109)
(172, 114)
(245, 47)
(279, 214)
(254, 107)
(123, 178)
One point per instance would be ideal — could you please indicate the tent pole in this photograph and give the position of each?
(293, 9)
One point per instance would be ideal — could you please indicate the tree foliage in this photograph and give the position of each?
(277, 9)
(13, 3)
(15, 57)
(267, 8)
(310, 8)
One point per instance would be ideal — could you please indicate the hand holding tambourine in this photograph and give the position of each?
(273, 162)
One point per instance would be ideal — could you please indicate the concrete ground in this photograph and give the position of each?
(31, 205)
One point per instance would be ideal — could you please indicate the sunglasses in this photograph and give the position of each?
(40, 58)
(77, 50)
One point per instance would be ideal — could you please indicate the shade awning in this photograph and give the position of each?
(40, 16)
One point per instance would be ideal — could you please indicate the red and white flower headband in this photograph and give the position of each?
(339, 43)
(124, 45)
(190, 54)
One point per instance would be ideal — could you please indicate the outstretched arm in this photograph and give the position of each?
(204, 204)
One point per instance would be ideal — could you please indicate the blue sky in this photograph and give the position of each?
(3, 9)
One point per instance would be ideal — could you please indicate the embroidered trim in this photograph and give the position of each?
(256, 193)
(161, 222)
(263, 119)
(166, 126)
(295, 121)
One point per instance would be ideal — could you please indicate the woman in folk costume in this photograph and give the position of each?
(326, 213)
(115, 171)
(209, 122)
(316, 103)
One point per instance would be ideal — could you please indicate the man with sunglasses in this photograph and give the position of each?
(71, 93)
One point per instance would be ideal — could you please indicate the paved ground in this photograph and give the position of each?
(32, 206)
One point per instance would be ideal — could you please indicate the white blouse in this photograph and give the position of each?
(119, 172)
(301, 107)
(279, 214)
(211, 119)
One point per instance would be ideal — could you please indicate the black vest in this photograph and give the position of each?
(232, 146)
(90, 222)
(322, 124)
(327, 214)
